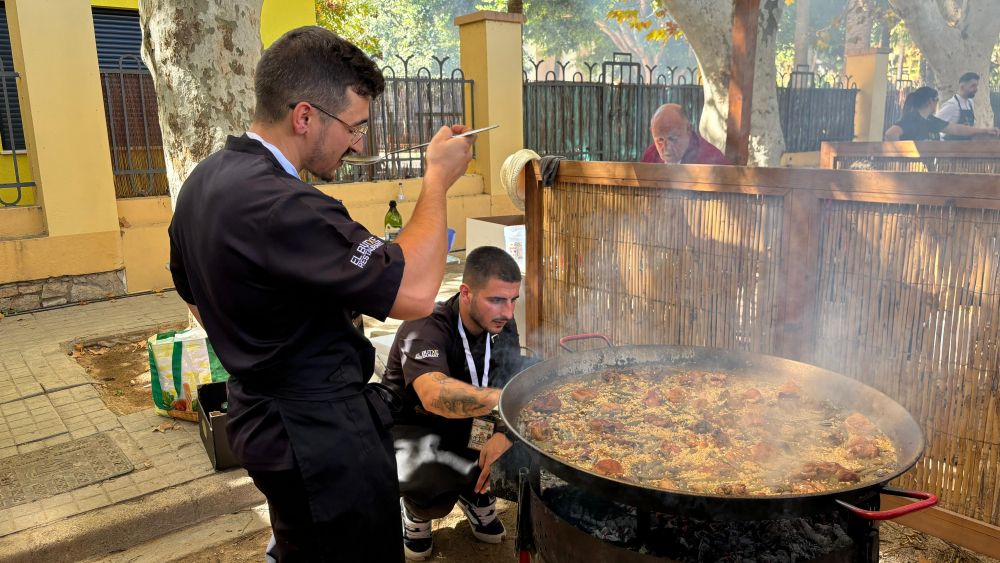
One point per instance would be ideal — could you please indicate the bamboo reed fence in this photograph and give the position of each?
(890, 278)
(963, 157)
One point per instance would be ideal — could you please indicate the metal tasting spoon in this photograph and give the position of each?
(362, 160)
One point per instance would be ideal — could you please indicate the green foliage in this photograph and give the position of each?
(348, 18)
(661, 28)
(554, 29)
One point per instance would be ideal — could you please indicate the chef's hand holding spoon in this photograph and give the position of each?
(448, 157)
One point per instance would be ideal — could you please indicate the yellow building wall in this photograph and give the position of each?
(70, 158)
(21, 222)
(7, 177)
(120, 4)
(487, 41)
(279, 16)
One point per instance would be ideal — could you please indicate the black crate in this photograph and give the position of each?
(212, 425)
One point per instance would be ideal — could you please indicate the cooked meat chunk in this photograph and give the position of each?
(860, 447)
(845, 475)
(609, 467)
(789, 390)
(658, 420)
(731, 489)
(693, 378)
(605, 425)
(669, 448)
(701, 427)
(547, 403)
(763, 451)
(821, 470)
(539, 430)
(717, 378)
(584, 394)
(675, 395)
(752, 395)
(653, 398)
(834, 437)
(858, 423)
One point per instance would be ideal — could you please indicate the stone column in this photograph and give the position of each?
(868, 69)
(491, 58)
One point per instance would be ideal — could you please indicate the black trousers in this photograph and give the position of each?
(300, 539)
(434, 469)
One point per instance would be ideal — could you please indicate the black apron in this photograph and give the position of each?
(965, 117)
(338, 428)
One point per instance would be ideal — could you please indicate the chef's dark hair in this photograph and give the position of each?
(489, 262)
(312, 64)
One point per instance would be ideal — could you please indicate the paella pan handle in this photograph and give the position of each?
(586, 336)
(927, 500)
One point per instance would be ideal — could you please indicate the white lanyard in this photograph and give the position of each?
(472, 363)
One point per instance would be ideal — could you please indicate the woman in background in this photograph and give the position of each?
(917, 123)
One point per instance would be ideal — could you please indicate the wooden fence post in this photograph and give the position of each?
(799, 263)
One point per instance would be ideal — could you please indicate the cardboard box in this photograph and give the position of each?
(502, 231)
(506, 232)
(212, 425)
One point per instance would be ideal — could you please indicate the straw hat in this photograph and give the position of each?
(510, 175)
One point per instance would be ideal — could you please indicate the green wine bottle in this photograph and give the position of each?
(393, 222)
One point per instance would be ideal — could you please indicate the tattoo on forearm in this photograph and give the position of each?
(460, 400)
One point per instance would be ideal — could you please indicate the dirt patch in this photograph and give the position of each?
(453, 543)
(899, 544)
(120, 368)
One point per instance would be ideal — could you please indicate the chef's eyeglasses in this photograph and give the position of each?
(356, 131)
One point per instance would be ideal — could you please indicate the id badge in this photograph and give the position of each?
(482, 429)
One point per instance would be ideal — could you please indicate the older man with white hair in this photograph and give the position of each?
(675, 141)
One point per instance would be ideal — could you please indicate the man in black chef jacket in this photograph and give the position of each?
(449, 368)
(274, 270)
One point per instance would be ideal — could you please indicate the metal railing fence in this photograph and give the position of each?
(815, 108)
(605, 114)
(410, 111)
(413, 107)
(603, 111)
(134, 130)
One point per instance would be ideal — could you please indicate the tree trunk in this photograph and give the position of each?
(954, 40)
(202, 59)
(860, 20)
(515, 7)
(801, 34)
(707, 25)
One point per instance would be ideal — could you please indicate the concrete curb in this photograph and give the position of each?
(134, 521)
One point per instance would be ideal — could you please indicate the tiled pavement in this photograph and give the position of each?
(46, 398)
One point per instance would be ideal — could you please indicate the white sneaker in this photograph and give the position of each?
(482, 516)
(417, 541)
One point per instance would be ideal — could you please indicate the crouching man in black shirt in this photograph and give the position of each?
(449, 368)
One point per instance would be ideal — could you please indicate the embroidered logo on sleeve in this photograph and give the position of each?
(364, 251)
(426, 354)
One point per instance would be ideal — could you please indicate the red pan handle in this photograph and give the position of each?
(587, 336)
(928, 500)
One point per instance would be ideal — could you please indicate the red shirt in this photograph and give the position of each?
(699, 151)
